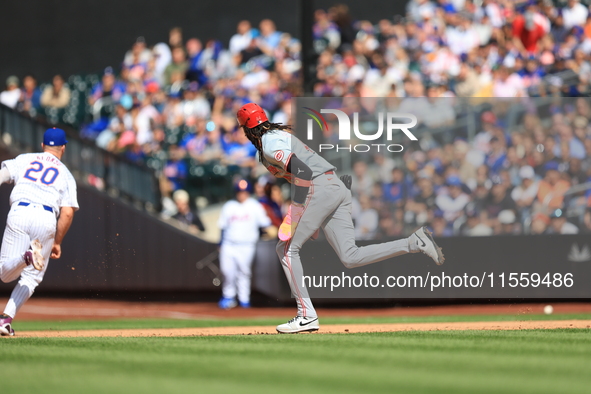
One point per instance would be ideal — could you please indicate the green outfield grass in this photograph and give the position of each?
(174, 323)
(537, 361)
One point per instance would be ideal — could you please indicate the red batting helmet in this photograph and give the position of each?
(251, 115)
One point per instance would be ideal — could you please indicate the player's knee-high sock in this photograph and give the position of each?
(340, 234)
(359, 256)
(21, 293)
(12, 268)
(294, 272)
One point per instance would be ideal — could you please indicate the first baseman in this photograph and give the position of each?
(43, 203)
(319, 200)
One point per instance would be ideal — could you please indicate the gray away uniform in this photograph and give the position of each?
(328, 206)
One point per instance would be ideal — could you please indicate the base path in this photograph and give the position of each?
(324, 329)
(84, 309)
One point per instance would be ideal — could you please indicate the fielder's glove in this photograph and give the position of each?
(347, 180)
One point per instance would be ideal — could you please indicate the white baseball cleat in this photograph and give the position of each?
(299, 324)
(36, 248)
(422, 241)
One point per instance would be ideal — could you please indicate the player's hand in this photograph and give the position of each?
(347, 180)
(290, 222)
(56, 251)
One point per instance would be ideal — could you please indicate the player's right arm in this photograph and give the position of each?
(63, 225)
(10, 169)
(5, 176)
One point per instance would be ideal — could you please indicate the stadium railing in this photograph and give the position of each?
(120, 177)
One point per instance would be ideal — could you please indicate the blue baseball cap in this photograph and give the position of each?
(54, 137)
(454, 180)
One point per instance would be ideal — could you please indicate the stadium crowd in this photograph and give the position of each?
(173, 104)
(530, 177)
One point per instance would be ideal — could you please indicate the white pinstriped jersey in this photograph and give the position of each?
(241, 221)
(41, 178)
(279, 146)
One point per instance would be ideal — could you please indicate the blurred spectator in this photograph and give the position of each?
(162, 57)
(366, 220)
(30, 99)
(185, 215)
(396, 191)
(559, 224)
(109, 91)
(176, 168)
(574, 14)
(499, 200)
(362, 180)
(525, 193)
(439, 225)
(540, 223)
(118, 124)
(241, 40)
(138, 54)
(507, 222)
(475, 226)
(552, 188)
(103, 97)
(507, 83)
(175, 37)
(326, 32)
(195, 65)
(238, 150)
(269, 36)
(57, 95)
(587, 221)
(12, 94)
(452, 200)
(528, 29)
(272, 201)
(178, 66)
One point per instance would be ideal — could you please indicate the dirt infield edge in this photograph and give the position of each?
(324, 329)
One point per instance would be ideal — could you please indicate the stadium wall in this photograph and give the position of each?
(115, 247)
(65, 37)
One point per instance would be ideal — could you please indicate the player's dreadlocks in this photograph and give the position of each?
(256, 133)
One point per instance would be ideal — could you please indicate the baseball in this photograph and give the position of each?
(548, 309)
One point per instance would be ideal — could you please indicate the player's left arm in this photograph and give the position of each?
(63, 225)
(301, 180)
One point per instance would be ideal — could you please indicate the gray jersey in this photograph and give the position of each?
(279, 146)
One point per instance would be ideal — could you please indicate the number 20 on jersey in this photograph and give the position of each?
(47, 177)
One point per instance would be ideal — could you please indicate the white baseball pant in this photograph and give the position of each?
(24, 224)
(236, 266)
(328, 206)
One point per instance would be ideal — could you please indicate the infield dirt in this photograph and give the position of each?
(326, 329)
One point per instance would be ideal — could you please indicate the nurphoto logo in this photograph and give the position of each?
(389, 121)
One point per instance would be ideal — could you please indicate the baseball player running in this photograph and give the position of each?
(240, 222)
(319, 200)
(43, 203)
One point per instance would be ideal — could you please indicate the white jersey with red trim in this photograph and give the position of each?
(41, 178)
(279, 146)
